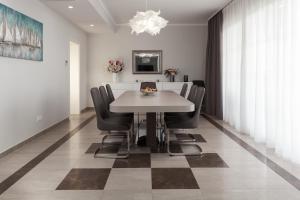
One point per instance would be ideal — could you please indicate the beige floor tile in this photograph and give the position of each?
(127, 195)
(227, 178)
(37, 181)
(57, 162)
(129, 179)
(88, 161)
(165, 161)
(56, 195)
(177, 195)
(266, 194)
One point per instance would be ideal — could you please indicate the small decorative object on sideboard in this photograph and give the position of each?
(171, 73)
(115, 66)
(185, 78)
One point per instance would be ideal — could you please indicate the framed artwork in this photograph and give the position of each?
(147, 61)
(20, 36)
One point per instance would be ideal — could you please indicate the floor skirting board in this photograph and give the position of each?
(17, 146)
(87, 109)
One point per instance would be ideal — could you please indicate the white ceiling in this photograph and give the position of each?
(180, 12)
(83, 14)
(175, 11)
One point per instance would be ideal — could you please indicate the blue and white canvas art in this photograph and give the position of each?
(20, 36)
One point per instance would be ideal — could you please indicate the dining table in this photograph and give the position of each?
(159, 102)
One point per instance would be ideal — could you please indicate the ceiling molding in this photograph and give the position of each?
(219, 10)
(102, 10)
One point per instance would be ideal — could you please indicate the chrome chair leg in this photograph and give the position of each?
(193, 139)
(167, 132)
(138, 126)
(128, 145)
(133, 134)
(126, 155)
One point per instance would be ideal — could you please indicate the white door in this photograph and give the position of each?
(74, 78)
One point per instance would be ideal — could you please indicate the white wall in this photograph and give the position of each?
(30, 89)
(184, 47)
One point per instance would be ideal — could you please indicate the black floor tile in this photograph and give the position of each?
(140, 160)
(107, 149)
(85, 179)
(174, 148)
(206, 160)
(173, 178)
(198, 137)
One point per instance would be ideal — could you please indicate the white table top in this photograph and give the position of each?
(163, 101)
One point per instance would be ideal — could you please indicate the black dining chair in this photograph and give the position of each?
(110, 93)
(192, 93)
(185, 121)
(105, 98)
(111, 125)
(107, 102)
(184, 89)
(191, 97)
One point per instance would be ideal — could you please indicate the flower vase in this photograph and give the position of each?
(114, 77)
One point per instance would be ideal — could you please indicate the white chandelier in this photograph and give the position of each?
(148, 21)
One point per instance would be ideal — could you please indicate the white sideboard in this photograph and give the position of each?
(121, 87)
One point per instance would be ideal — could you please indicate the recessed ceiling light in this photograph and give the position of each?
(70, 7)
(92, 25)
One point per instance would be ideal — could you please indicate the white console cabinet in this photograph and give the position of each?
(121, 87)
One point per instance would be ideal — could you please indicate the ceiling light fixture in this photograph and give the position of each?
(92, 25)
(70, 7)
(148, 21)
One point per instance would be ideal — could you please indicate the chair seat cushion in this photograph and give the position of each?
(116, 124)
(174, 114)
(182, 121)
(112, 114)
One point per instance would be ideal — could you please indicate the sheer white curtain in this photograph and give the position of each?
(261, 72)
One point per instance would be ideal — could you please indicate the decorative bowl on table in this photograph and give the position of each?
(148, 91)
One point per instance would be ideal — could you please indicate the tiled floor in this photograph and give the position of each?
(85, 179)
(173, 178)
(225, 171)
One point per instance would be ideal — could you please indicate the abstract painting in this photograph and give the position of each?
(20, 36)
(147, 61)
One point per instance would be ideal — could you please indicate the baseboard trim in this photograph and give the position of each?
(17, 146)
(87, 109)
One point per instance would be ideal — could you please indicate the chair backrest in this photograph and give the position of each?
(192, 93)
(99, 105)
(199, 83)
(199, 100)
(183, 90)
(104, 96)
(148, 84)
(110, 94)
(198, 104)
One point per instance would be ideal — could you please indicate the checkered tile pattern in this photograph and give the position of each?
(71, 172)
(143, 170)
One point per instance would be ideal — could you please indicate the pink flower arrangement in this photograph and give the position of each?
(115, 66)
